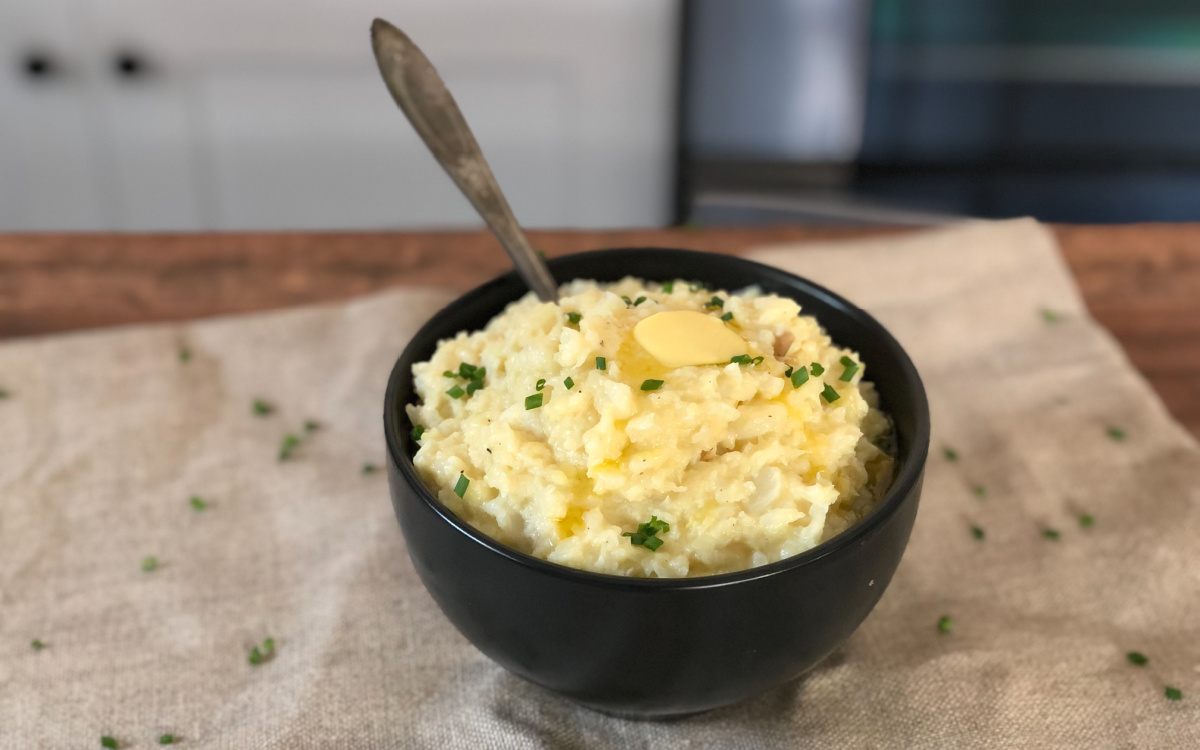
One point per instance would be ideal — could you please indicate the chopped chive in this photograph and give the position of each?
(945, 624)
(638, 301)
(455, 392)
(449, 374)
(185, 354)
(569, 383)
(417, 431)
(668, 287)
(1051, 534)
(261, 408)
(288, 447)
(756, 361)
(166, 739)
(198, 503)
(460, 487)
(628, 302)
(540, 384)
(788, 372)
(799, 377)
(1087, 520)
(647, 533)
(108, 742)
(829, 394)
(573, 318)
(980, 491)
(1116, 433)
(258, 654)
(851, 368)
(601, 363)
(715, 302)
(727, 317)
(474, 385)
(1137, 658)
(311, 425)
(951, 454)
(977, 532)
(36, 645)
(1049, 315)
(817, 369)
(740, 359)
(651, 385)
(1173, 694)
(149, 563)
(369, 468)
(534, 401)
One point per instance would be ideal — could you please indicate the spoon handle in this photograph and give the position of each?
(425, 100)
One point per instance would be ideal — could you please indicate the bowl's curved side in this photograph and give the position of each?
(672, 646)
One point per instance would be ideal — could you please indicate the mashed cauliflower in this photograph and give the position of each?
(741, 465)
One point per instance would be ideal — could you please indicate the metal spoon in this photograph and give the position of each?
(424, 98)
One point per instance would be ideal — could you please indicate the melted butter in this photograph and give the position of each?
(570, 521)
(637, 364)
(682, 338)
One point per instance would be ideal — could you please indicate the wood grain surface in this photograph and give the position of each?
(1142, 281)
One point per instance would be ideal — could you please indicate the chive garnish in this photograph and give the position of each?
(460, 487)
(638, 301)
(1173, 694)
(198, 503)
(715, 302)
(788, 372)
(369, 468)
(1136, 658)
(1116, 433)
(945, 624)
(108, 742)
(817, 369)
(647, 534)
(540, 384)
(573, 318)
(799, 377)
(951, 454)
(601, 363)
(167, 739)
(258, 655)
(569, 383)
(311, 425)
(851, 368)
(756, 361)
(417, 431)
(1049, 315)
(1087, 520)
(185, 354)
(829, 394)
(1051, 534)
(534, 401)
(668, 287)
(651, 385)
(977, 532)
(149, 563)
(36, 645)
(740, 359)
(455, 392)
(261, 408)
(474, 385)
(288, 447)
(727, 317)
(449, 374)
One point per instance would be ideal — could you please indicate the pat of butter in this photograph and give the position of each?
(680, 338)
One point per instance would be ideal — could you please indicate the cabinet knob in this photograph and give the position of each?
(130, 65)
(39, 66)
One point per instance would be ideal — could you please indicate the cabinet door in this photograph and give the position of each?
(49, 178)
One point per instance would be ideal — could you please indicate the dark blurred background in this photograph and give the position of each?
(229, 115)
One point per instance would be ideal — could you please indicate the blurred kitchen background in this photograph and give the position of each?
(185, 115)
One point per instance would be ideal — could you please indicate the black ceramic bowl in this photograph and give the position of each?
(653, 648)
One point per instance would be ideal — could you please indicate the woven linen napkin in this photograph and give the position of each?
(1085, 492)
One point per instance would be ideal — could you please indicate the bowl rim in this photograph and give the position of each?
(902, 486)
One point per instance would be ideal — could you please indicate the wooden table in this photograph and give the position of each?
(1142, 282)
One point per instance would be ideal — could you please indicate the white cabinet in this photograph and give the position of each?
(272, 115)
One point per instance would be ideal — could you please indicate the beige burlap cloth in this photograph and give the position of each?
(105, 436)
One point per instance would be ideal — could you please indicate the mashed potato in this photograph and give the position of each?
(740, 466)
